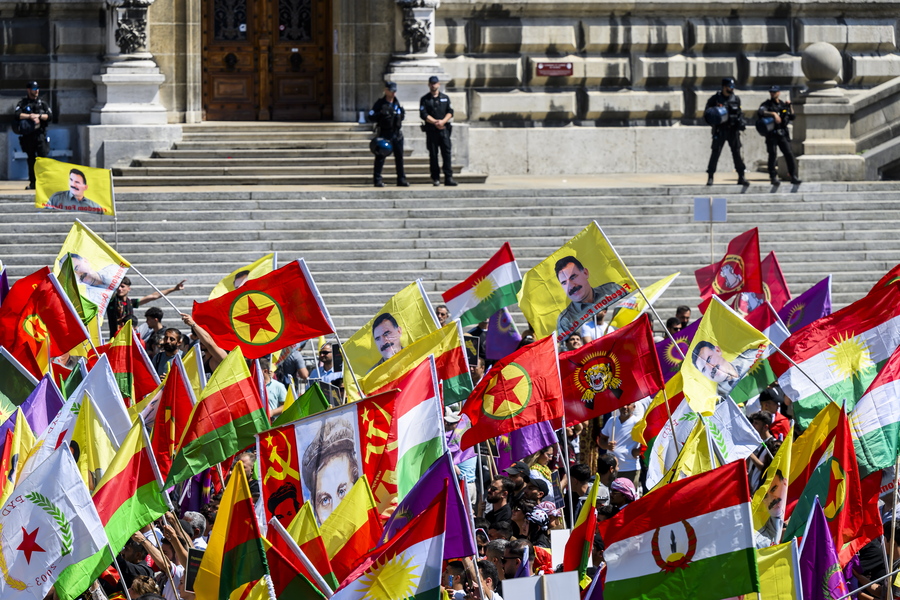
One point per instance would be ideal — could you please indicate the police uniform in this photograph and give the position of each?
(437, 140)
(35, 143)
(388, 116)
(729, 131)
(779, 137)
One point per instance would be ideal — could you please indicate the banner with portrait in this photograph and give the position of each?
(403, 319)
(241, 275)
(98, 268)
(574, 284)
(64, 186)
(319, 458)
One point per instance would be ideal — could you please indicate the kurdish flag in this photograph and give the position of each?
(493, 286)
(407, 567)
(693, 540)
(224, 422)
(235, 553)
(578, 548)
(305, 531)
(843, 352)
(446, 344)
(875, 420)
(130, 364)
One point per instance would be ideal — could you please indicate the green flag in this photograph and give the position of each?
(74, 379)
(86, 309)
(16, 383)
(311, 402)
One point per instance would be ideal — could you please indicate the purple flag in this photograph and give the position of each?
(820, 571)
(197, 492)
(4, 285)
(502, 336)
(459, 540)
(669, 358)
(42, 405)
(811, 305)
(523, 442)
(454, 436)
(524, 568)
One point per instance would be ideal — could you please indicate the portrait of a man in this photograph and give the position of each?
(97, 283)
(709, 360)
(241, 278)
(283, 504)
(574, 279)
(73, 198)
(387, 334)
(330, 464)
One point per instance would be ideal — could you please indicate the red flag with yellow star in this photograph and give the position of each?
(35, 313)
(268, 313)
(522, 389)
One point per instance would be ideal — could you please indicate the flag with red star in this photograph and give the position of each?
(37, 320)
(48, 532)
(522, 389)
(268, 313)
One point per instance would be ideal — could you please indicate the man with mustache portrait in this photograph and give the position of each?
(573, 277)
(387, 334)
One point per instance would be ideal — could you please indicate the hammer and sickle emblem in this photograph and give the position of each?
(374, 432)
(285, 463)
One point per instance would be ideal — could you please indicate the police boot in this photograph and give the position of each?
(773, 180)
(741, 180)
(795, 180)
(379, 183)
(402, 182)
(709, 180)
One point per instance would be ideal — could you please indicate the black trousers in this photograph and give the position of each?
(733, 137)
(397, 144)
(774, 141)
(438, 140)
(34, 146)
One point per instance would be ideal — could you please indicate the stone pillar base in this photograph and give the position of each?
(107, 146)
(128, 93)
(831, 167)
(411, 76)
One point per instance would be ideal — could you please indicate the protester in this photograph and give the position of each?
(616, 438)
(121, 308)
(498, 496)
(168, 351)
(276, 393)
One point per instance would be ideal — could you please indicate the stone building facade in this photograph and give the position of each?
(544, 86)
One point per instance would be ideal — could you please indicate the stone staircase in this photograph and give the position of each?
(363, 246)
(216, 153)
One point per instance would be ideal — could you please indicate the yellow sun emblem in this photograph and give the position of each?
(671, 355)
(850, 356)
(484, 288)
(795, 315)
(393, 579)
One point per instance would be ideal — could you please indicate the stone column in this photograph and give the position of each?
(822, 129)
(128, 121)
(412, 66)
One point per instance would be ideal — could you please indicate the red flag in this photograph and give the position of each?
(268, 313)
(774, 284)
(739, 270)
(279, 470)
(522, 389)
(611, 372)
(130, 364)
(37, 309)
(172, 416)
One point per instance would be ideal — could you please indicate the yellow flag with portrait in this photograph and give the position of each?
(572, 285)
(722, 351)
(241, 275)
(68, 187)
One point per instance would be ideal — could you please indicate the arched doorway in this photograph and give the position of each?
(267, 60)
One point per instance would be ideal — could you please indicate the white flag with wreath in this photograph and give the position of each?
(47, 524)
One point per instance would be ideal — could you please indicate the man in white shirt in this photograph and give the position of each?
(324, 372)
(616, 437)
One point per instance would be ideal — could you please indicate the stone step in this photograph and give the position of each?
(269, 144)
(230, 162)
(226, 169)
(264, 126)
(289, 136)
(361, 180)
(256, 153)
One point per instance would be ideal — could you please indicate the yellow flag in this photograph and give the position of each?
(778, 572)
(64, 186)
(771, 497)
(351, 515)
(695, 457)
(238, 277)
(813, 439)
(402, 320)
(22, 444)
(289, 398)
(139, 407)
(635, 306)
(193, 368)
(304, 528)
(91, 447)
(674, 386)
(573, 284)
(99, 268)
(722, 351)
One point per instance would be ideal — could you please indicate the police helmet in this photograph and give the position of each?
(381, 147)
(715, 115)
(765, 125)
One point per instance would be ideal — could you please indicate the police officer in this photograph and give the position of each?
(436, 112)
(728, 131)
(33, 116)
(779, 137)
(388, 115)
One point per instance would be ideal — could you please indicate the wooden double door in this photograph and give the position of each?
(267, 60)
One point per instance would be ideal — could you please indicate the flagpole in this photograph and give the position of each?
(671, 422)
(168, 563)
(565, 438)
(858, 590)
(295, 548)
(479, 483)
(348, 365)
(119, 569)
(804, 373)
(894, 508)
(156, 289)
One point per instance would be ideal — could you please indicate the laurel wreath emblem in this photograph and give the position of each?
(65, 528)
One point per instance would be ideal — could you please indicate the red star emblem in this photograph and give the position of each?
(505, 384)
(29, 545)
(256, 318)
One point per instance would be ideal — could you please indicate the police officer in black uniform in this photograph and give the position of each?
(388, 115)
(729, 131)
(779, 137)
(436, 112)
(32, 117)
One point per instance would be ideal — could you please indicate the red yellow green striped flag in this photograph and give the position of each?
(130, 364)
(235, 554)
(225, 420)
(578, 548)
(352, 530)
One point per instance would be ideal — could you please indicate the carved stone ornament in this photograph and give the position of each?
(416, 32)
(131, 24)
